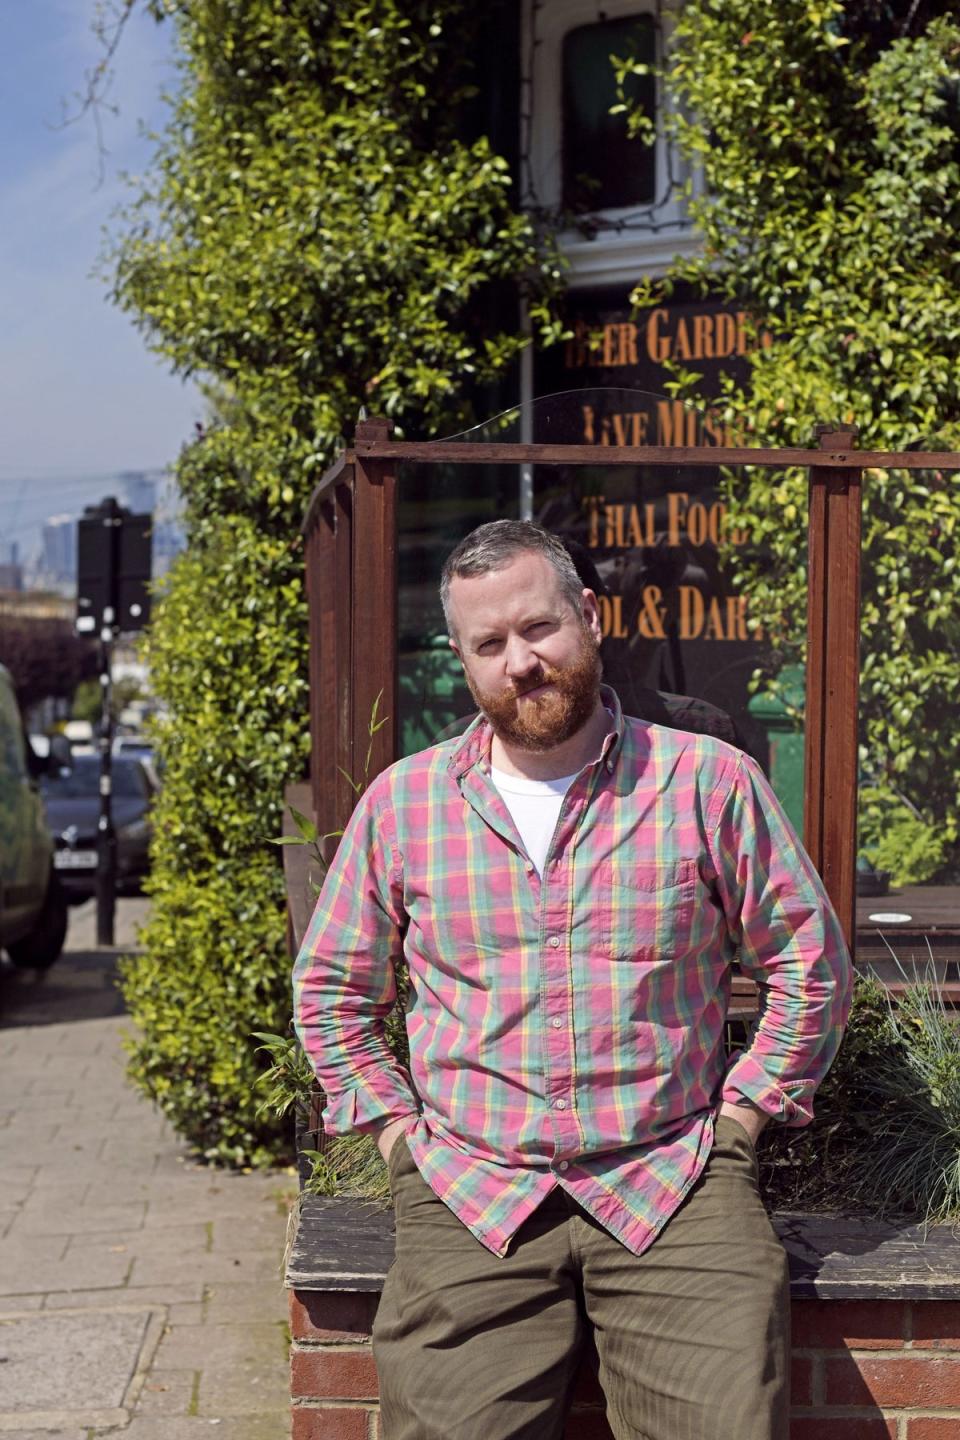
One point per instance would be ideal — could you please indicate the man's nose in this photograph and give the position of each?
(519, 658)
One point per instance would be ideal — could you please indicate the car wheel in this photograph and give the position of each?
(39, 949)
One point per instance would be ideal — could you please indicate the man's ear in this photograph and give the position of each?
(455, 648)
(591, 615)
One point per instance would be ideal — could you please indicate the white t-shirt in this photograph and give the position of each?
(535, 806)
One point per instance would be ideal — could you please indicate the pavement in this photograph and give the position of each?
(140, 1293)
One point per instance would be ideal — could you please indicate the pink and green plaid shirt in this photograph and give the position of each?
(570, 1030)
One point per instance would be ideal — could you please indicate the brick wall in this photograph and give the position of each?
(862, 1370)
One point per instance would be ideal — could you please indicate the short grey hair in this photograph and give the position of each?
(494, 545)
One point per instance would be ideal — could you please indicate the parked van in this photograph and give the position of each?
(33, 907)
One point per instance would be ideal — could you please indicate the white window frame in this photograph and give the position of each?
(612, 257)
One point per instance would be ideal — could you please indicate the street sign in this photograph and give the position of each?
(114, 562)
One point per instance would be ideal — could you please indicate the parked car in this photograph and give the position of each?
(140, 748)
(33, 907)
(72, 801)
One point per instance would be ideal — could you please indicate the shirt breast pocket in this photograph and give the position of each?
(647, 908)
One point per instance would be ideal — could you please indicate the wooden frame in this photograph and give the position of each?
(350, 532)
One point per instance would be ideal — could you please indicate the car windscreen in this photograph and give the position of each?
(82, 781)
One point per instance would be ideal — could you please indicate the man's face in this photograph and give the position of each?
(531, 662)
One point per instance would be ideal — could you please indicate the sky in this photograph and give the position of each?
(81, 396)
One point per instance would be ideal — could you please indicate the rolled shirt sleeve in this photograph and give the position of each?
(789, 941)
(343, 978)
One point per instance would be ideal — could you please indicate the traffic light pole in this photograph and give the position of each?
(106, 835)
(111, 517)
(113, 572)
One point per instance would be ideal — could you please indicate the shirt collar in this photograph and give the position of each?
(474, 744)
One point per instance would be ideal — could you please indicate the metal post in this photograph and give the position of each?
(106, 835)
(112, 518)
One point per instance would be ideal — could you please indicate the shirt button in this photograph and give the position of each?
(554, 941)
(561, 1104)
(556, 1022)
(529, 866)
(564, 1165)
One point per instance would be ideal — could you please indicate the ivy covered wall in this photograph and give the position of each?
(325, 225)
(828, 135)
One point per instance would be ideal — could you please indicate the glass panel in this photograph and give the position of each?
(908, 876)
(603, 168)
(436, 506)
(681, 645)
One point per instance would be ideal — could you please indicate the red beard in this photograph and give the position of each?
(549, 719)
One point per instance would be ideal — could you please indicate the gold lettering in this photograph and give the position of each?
(636, 533)
(614, 534)
(676, 425)
(697, 523)
(713, 429)
(611, 336)
(650, 519)
(703, 337)
(592, 503)
(714, 630)
(587, 424)
(611, 617)
(620, 429)
(691, 612)
(628, 344)
(725, 335)
(658, 346)
(737, 617)
(576, 352)
(681, 341)
(674, 514)
(650, 618)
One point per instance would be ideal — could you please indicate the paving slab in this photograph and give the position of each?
(105, 1216)
(254, 1302)
(50, 1214)
(273, 1425)
(100, 1359)
(36, 1274)
(231, 1390)
(223, 1346)
(167, 1392)
(46, 1434)
(169, 1295)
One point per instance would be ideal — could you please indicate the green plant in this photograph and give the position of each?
(886, 1132)
(351, 1165)
(828, 138)
(318, 230)
(898, 838)
(915, 1165)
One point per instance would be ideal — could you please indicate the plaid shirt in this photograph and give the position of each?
(570, 1030)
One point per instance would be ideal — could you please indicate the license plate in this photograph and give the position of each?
(75, 859)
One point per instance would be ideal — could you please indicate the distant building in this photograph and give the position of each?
(60, 550)
(138, 491)
(11, 570)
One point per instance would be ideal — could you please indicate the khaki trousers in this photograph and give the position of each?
(692, 1337)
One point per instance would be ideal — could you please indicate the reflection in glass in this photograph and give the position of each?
(680, 646)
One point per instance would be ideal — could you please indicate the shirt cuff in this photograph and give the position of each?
(788, 1101)
(358, 1112)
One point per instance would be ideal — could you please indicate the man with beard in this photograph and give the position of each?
(571, 1151)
